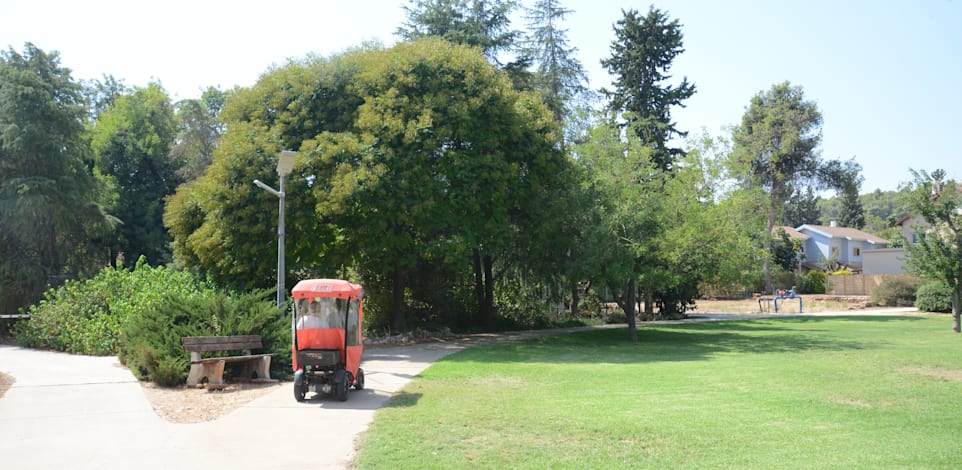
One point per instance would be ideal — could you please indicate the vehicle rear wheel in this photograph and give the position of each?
(341, 385)
(300, 391)
(359, 385)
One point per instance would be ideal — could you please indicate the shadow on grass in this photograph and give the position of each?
(679, 342)
(403, 400)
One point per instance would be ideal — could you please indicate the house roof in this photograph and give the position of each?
(792, 233)
(905, 218)
(843, 232)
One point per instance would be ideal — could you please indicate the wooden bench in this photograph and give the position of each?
(256, 367)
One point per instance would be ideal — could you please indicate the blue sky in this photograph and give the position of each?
(885, 74)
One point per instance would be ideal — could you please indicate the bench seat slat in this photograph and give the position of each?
(221, 343)
(229, 358)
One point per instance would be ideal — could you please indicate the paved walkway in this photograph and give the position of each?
(82, 412)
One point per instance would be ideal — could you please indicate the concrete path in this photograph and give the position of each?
(81, 412)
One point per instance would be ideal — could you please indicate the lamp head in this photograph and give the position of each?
(285, 162)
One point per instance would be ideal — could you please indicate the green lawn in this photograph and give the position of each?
(844, 392)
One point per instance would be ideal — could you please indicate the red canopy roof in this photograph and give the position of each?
(326, 288)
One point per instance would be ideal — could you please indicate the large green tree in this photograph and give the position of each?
(664, 233)
(416, 161)
(642, 54)
(132, 142)
(938, 253)
(51, 212)
(776, 150)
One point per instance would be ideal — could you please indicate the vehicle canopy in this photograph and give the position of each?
(322, 303)
(336, 288)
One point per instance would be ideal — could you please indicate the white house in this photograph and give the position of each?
(844, 245)
(884, 261)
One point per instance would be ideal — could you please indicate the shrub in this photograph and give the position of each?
(151, 342)
(141, 316)
(895, 292)
(85, 317)
(934, 297)
(812, 283)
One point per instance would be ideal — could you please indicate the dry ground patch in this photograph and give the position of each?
(192, 405)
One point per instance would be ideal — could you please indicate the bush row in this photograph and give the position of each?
(141, 314)
(934, 296)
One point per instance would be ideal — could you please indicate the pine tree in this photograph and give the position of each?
(484, 24)
(852, 215)
(560, 77)
(641, 58)
(50, 211)
(801, 208)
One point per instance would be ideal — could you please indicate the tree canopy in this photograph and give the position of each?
(938, 253)
(52, 220)
(132, 141)
(417, 159)
(559, 76)
(641, 58)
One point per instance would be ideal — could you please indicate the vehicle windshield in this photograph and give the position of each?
(320, 312)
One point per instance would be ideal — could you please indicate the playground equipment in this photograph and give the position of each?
(326, 332)
(779, 294)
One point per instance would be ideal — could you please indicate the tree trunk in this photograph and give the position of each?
(629, 307)
(649, 306)
(487, 309)
(575, 299)
(478, 282)
(397, 298)
(767, 263)
(957, 309)
(483, 286)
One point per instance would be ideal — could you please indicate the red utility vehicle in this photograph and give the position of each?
(326, 330)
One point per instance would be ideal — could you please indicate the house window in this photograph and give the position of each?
(915, 239)
(835, 251)
(856, 251)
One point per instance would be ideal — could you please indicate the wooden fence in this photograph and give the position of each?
(858, 284)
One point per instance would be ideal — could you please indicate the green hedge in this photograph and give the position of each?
(151, 343)
(813, 282)
(140, 315)
(85, 317)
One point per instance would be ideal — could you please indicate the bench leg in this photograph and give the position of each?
(258, 368)
(213, 371)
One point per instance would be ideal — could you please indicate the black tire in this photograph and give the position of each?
(359, 385)
(300, 391)
(341, 385)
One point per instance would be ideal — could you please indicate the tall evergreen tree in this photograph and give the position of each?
(801, 208)
(132, 142)
(560, 77)
(641, 58)
(485, 24)
(50, 211)
(852, 215)
(776, 149)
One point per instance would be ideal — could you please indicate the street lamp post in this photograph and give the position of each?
(285, 163)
